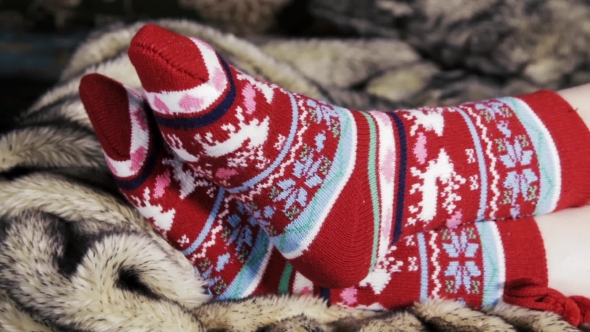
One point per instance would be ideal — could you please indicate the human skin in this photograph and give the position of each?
(566, 233)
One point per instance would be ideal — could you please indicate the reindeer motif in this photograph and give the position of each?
(429, 120)
(188, 179)
(254, 131)
(176, 145)
(161, 219)
(381, 275)
(440, 169)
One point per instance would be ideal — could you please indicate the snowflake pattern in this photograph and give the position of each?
(308, 173)
(239, 230)
(515, 154)
(320, 111)
(463, 268)
(519, 181)
(493, 109)
(261, 217)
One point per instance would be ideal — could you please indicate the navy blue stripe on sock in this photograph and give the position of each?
(401, 189)
(150, 164)
(325, 294)
(180, 122)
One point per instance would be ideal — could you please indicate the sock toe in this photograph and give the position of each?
(166, 61)
(107, 104)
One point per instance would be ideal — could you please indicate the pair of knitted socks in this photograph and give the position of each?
(268, 191)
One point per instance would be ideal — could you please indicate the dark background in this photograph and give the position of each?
(37, 37)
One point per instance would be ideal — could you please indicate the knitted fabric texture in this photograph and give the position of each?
(334, 188)
(229, 251)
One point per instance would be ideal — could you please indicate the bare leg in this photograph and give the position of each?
(566, 236)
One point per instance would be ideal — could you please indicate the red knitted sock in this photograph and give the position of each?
(335, 188)
(211, 228)
(470, 263)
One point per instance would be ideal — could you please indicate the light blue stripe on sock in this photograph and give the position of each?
(493, 261)
(423, 267)
(251, 272)
(302, 230)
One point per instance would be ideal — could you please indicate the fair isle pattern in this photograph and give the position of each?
(304, 167)
(286, 147)
(546, 151)
(481, 162)
(206, 228)
(285, 144)
(518, 164)
(228, 249)
(429, 185)
(307, 222)
(395, 263)
(467, 263)
(289, 172)
(211, 228)
(493, 170)
(245, 283)
(462, 272)
(229, 237)
(486, 123)
(307, 207)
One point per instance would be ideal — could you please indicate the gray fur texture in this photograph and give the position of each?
(74, 256)
(500, 46)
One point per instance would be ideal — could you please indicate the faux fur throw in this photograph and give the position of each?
(500, 44)
(75, 256)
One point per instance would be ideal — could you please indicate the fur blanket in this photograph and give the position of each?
(421, 52)
(534, 43)
(75, 256)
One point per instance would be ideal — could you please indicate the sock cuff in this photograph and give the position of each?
(571, 137)
(524, 250)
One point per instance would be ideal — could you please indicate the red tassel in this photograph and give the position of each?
(529, 293)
